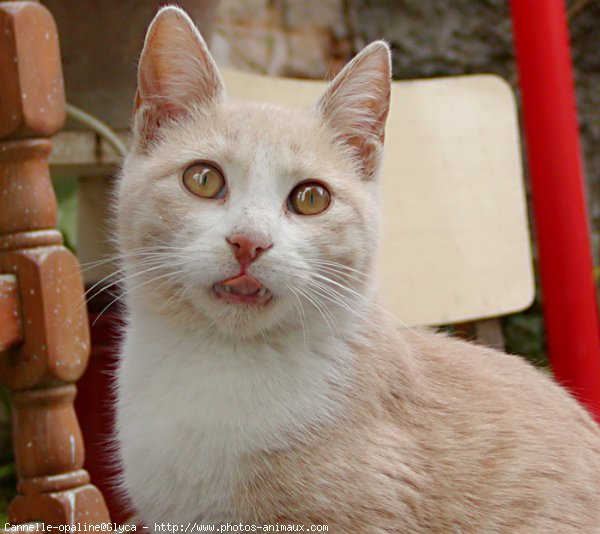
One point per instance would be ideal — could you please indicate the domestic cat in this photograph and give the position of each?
(260, 382)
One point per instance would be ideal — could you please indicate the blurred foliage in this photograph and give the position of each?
(66, 196)
(524, 334)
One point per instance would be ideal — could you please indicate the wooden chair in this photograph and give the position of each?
(456, 244)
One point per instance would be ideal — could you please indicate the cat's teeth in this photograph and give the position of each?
(261, 291)
(227, 289)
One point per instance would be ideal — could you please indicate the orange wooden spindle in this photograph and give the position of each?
(44, 338)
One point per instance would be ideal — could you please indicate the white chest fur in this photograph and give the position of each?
(190, 404)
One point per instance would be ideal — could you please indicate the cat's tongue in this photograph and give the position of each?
(242, 289)
(243, 284)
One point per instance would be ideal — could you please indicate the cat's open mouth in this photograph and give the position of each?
(242, 289)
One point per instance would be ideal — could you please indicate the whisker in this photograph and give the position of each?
(351, 293)
(314, 300)
(126, 292)
(340, 274)
(336, 298)
(178, 295)
(300, 309)
(122, 279)
(317, 261)
(105, 288)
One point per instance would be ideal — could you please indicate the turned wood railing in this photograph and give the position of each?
(44, 337)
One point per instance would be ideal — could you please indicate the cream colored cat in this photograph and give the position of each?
(259, 381)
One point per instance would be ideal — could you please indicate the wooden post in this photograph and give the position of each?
(44, 335)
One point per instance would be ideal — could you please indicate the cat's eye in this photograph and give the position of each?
(309, 198)
(204, 180)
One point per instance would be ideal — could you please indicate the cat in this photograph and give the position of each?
(260, 382)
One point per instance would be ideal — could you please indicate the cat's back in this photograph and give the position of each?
(507, 447)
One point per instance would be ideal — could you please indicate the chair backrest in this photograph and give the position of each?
(456, 244)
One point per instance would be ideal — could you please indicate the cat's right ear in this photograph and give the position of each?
(176, 73)
(356, 104)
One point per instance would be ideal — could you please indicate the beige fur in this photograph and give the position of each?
(447, 437)
(317, 408)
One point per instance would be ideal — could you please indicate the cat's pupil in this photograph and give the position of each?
(202, 177)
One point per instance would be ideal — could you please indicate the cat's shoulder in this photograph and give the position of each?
(441, 374)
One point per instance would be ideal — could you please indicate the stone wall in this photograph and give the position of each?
(302, 39)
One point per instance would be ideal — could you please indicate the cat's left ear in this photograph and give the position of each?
(176, 72)
(357, 101)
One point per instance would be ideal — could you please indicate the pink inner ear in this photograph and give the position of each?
(151, 118)
(357, 100)
(368, 151)
(137, 101)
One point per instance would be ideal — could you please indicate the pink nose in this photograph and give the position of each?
(247, 249)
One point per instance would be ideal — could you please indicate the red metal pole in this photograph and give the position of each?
(555, 168)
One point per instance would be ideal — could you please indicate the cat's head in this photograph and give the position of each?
(250, 216)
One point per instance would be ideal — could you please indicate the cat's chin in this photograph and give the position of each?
(237, 315)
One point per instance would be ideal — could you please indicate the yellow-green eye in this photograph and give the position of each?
(204, 180)
(309, 198)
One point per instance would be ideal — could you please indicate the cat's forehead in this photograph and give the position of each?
(268, 122)
(247, 130)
